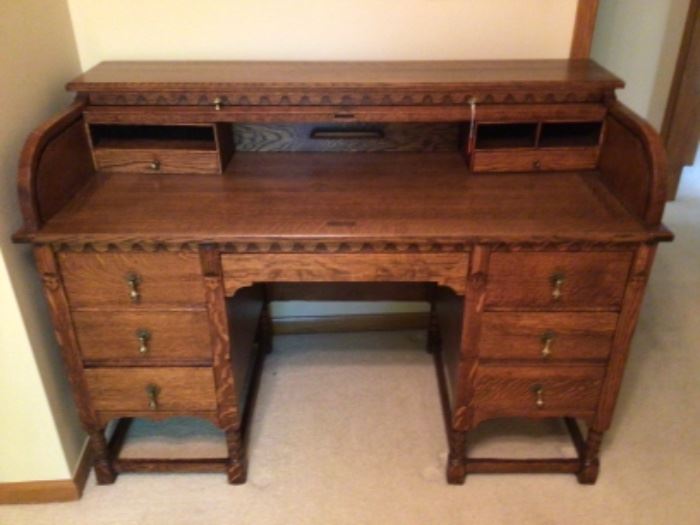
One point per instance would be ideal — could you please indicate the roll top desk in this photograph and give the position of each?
(171, 202)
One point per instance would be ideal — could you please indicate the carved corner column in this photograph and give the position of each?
(70, 351)
(462, 416)
(229, 416)
(627, 322)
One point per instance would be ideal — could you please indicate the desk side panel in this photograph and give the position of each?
(55, 163)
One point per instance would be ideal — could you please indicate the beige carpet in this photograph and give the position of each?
(348, 431)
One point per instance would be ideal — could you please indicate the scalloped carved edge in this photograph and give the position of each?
(349, 247)
(267, 247)
(347, 98)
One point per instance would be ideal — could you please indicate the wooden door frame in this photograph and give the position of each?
(681, 126)
(584, 26)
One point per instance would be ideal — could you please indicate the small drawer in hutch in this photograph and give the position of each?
(535, 160)
(557, 280)
(144, 338)
(132, 280)
(547, 336)
(204, 148)
(156, 160)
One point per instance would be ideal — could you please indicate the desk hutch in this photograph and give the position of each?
(172, 201)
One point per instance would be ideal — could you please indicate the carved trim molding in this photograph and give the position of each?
(342, 247)
(346, 98)
(266, 247)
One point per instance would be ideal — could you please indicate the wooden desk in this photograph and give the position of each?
(519, 198)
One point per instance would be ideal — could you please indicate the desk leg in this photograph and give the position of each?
(590, 465)
(237, 466)
(434, 343)
(265, 329)
(457, 457)
(104, 471)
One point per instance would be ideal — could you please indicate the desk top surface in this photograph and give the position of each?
(338, 196)
(207, 75)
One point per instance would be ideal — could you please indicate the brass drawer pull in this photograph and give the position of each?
(154, 166)
(152, 391)
(557, 281)
(134, 281)
(218, 103)
(539, 392)
(547, 342)
(143, 336)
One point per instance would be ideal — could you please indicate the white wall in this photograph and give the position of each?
(322, 29)
(40, 438)
(639, 41)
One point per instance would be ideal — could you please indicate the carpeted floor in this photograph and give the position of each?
(348, 431)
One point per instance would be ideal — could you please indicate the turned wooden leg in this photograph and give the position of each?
(237, 467)
(265, 329)
(590, 464)
(457, 457)
(104, 472)
(433, 344)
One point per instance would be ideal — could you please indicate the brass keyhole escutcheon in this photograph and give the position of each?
(143, 336)
(218, 103)
(133, 281)
(152, 392)
(557, 280)
(547, 342)
(539, 395)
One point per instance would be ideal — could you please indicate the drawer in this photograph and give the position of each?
(547, 336)
(156, 161)
(557, 280)
(535, 160)
(537, 390)
(151, 389)
(132, 280)
(143, 338)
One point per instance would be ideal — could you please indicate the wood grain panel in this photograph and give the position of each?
(168, 161)
(347, 137)
(55, 162)
(99, 280)
(112, 337)
(528, 160)
(579, 335)
(633, 164)
(525, 280)
(447, 269)
(124, 389)
(397, 196)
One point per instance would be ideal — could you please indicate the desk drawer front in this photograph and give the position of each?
(547, 336)
(448, 269)
(537, 390)
(557, 280)
(156, 161)
(132, 280)
(143, 338)
(151, 389)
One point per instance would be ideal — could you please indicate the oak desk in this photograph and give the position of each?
(172, 201)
